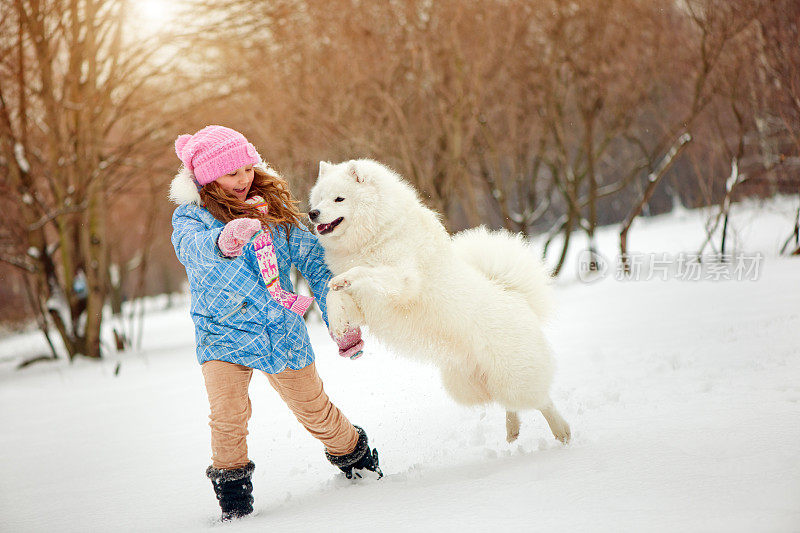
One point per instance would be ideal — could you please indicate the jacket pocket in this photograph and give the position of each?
(224, 305)
(240, 308)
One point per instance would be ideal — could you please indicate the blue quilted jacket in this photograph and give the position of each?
(234, 316)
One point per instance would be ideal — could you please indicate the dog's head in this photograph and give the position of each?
(352, 201)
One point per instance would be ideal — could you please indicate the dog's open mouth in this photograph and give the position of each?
(323, 229)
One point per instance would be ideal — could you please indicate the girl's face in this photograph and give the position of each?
(237, 183)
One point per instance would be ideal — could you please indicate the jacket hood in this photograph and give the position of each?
(183, 189)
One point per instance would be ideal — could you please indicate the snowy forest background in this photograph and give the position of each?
(548, 118)
(601, 129)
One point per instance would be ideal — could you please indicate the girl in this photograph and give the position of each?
(245, 315)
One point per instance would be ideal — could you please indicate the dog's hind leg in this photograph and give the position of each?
(512, 426)
(557, 424)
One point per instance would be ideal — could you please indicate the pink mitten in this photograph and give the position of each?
(236, 234)
(350, 344)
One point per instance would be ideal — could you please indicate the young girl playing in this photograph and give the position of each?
(237, 231)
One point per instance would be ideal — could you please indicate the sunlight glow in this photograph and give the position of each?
(154, 15)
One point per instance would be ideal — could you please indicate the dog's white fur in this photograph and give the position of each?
(472, 304)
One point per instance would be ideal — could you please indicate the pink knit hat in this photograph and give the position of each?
(215, 151)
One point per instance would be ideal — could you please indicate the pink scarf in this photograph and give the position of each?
(268, 265)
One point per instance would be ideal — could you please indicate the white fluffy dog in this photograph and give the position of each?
(472, 304)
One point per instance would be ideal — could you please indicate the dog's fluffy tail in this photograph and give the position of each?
(508, 260)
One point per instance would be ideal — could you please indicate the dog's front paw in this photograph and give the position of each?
(349, 279)
(343, 313)
(337, 321)
(339, 282)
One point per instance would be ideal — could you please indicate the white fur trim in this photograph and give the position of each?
(268, 170)
(183, 190)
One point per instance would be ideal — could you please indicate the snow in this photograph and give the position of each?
(22, 161)
(683, 397)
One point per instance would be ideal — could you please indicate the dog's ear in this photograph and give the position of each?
(324, 167)
(352, 171)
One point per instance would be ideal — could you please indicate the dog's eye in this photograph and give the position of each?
(339, 199)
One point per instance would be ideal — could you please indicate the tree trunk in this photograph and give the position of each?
(567, 234)
(653, 180)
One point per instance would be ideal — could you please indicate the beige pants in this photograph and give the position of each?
(227, 384)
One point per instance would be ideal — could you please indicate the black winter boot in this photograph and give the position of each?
(362, 458)
(234, 490)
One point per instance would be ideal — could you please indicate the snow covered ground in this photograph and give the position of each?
(683, 396)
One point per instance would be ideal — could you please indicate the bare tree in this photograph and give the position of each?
(565, 115)
(716, 23)
(78, 121)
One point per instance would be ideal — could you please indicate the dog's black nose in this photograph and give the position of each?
(313, 214)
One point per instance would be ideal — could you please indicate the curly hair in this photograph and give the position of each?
(281, 206)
